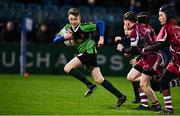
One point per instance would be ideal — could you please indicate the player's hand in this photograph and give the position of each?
(117, 38)
(133, 61)
(101, 41)
(68, 35)
(120, 47)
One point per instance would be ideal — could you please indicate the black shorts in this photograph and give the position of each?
(88, 59)
(140, 69)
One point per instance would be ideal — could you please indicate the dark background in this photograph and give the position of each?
(53, 15)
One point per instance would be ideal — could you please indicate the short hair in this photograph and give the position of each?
(131, 16)
(74, 11)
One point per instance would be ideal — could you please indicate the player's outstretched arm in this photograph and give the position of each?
(101, 27)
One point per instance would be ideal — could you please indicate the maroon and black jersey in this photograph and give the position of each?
(142, 36)
(152, 33)
(170, 34)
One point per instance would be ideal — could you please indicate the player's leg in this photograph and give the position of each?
(144, 84)
(133, 75)
(135, 72)
(97, 76)
(143, 97)
(143, 100)
(164, 83)
(70, 68)
(135, 86)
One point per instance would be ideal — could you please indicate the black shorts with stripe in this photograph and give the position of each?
(140, 69)
(88, 59)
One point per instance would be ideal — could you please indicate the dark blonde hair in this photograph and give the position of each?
(131, 16)
(74, 11)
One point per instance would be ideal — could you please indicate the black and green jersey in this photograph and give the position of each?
(83, 36)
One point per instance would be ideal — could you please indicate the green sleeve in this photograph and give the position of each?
(88, 27)
(64, 29)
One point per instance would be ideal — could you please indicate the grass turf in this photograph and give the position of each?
(64, 95)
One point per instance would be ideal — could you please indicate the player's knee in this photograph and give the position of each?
(67, 69)
(99, 80)
(130, 78)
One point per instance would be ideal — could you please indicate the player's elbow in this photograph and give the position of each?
(58, 39)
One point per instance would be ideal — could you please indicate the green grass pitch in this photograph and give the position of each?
(64, 95)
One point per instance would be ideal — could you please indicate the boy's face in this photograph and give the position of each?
(162, 17)
(127, 31)
(74, 20)
(127, 24)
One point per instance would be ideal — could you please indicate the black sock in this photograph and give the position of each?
(136, 93)
(78, 75)
(108, 86)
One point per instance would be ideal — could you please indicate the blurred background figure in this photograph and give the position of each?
(9, 33)
(92, 4)
(135, 5)
(43, 35)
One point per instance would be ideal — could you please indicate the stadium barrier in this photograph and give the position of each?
(50, 59)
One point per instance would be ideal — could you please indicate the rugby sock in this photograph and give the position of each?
(143, 98)
(136, 93)
(108, 86)
(167, 100)
(78, 75)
